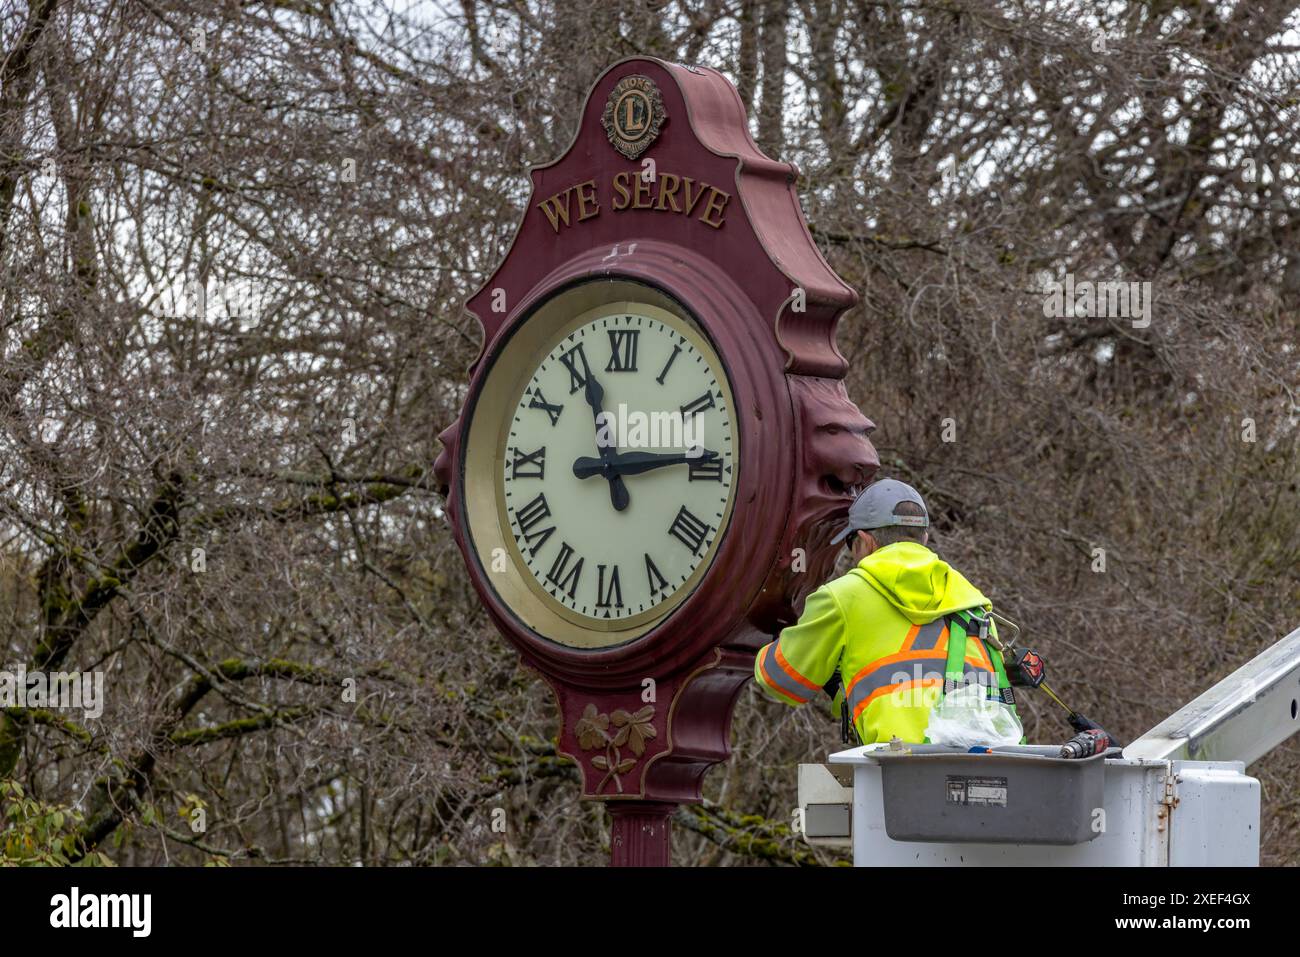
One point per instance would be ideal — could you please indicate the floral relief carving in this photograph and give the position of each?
(613, 733)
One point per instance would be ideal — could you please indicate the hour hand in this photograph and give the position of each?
(586, 467)
(618, 493)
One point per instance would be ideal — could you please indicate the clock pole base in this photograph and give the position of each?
(640, 832)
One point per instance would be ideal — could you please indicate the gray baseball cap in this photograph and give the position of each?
(874, 508)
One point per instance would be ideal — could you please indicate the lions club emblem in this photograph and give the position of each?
(633, 115)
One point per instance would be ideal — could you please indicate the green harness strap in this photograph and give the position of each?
(959, 631)
(961, 627)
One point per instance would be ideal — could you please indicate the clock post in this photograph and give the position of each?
(656, 445)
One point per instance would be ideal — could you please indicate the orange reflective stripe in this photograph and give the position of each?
(933, 634)
(924, 653)
(790, 670)
(935, 654)
(911, 637)
(890, 689)
(775, 682)
(876, 679)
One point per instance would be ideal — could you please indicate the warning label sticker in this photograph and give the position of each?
(984, 792)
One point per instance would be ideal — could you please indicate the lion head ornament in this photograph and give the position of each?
(836, 460)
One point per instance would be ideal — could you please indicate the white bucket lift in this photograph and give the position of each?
(1177, 796)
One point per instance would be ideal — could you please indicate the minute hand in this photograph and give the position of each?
(595, 396)
(634, 463)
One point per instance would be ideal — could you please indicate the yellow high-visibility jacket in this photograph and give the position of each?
(881, 626)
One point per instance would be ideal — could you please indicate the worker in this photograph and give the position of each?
(877, 638)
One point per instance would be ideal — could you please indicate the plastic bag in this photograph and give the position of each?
(967, 717)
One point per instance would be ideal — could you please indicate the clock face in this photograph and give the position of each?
(614, 470)
(618, 466)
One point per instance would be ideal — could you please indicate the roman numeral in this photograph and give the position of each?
(529, 464)
(656, 579)
(530, 516)
(539, 402)
(699, 405)
(689, 530)
(668, 365)
(611, 596)
(577, 378)
(561, 575)
(622, 350)
(704, 470)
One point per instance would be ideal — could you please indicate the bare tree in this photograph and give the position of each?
(234, 241)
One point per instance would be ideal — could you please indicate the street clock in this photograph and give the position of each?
(656, 446)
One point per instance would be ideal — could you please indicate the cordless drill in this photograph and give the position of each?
(1086, 743)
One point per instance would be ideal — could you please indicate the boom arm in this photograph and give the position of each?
(1242, 718)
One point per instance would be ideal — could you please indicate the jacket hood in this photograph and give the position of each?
(918, 583)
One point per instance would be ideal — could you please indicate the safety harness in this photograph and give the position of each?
(962, 625)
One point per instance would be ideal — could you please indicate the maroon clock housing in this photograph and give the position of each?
(664, 199)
